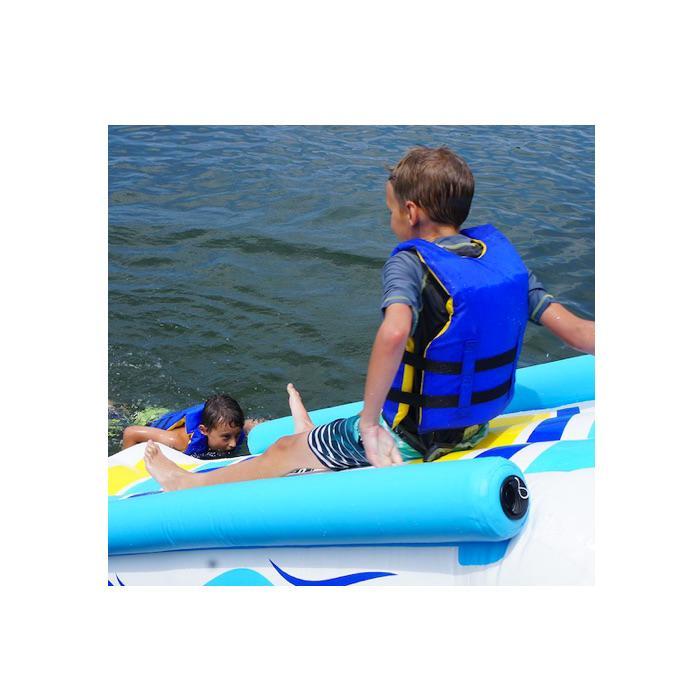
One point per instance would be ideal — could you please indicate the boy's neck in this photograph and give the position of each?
(431, 231)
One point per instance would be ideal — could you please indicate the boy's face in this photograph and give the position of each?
(221, 438)
(400, 222)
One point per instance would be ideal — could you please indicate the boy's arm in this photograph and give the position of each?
(387, 351)
(134, 434)
(577, 332)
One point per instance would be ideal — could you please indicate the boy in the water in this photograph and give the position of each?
(216, 426)
(443, 362)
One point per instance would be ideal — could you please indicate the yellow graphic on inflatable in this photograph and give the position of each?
(127, 467)
(120, 476)
(504, 430)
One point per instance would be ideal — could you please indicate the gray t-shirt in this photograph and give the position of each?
(403, 279)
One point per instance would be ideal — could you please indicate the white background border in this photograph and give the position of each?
(72, 68)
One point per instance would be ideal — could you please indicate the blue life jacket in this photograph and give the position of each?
(461, 373)
(191, 419)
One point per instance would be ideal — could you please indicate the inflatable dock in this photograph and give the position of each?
(516, 510)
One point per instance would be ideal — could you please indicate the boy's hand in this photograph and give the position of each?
(250, 423)
(380, 447)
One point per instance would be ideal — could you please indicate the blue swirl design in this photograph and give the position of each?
(239, 577)
(347, 580)
(109, 583)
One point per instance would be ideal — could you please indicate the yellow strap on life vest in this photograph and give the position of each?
(406, 385)
(449, 305)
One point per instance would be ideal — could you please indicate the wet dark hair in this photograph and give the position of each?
(437, 180)
(221, 409)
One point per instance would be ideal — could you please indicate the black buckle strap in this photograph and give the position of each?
(433, 366)
(452, 400)
(446, 401)
(492, 394)
(486, 363)
(495, 361)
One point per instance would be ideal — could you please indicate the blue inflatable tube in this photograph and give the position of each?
(554, 384)
(482, 500)
(536, 387)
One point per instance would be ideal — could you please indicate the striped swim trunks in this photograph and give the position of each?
(338, 445)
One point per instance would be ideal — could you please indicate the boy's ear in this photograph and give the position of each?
(203, 429)
(412, 209)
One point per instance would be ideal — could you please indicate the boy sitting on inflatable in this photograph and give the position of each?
(456, 303)
(216, 426)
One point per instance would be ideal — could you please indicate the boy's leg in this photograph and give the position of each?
(284, 456)
(302, 421)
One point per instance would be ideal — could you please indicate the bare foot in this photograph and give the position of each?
(164, 470)
(302, 421)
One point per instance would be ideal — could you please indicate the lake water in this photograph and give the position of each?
(244, 257)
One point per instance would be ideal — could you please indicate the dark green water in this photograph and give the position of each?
(241, 258)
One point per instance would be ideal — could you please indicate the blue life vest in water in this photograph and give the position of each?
(460, 373)
(191, 419)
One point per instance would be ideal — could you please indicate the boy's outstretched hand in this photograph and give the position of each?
(380, 447)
